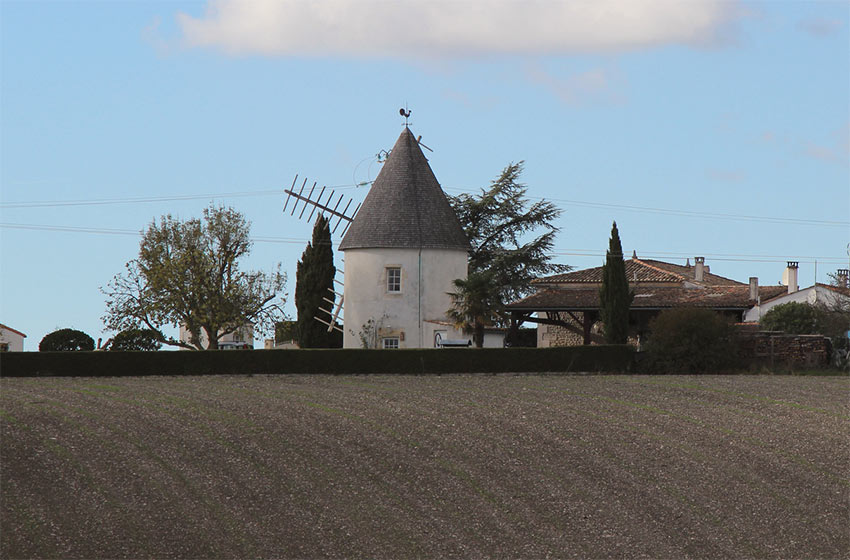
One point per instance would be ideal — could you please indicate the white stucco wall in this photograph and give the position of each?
(426, 280)
(14, 339)
(494, 340)
(813, 295)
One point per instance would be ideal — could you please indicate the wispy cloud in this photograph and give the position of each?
(487, 102)
(597, 84)
(151, 34)
(837, 151)
(435, 28)
(834, 148)
(820, 27)
(725, 175)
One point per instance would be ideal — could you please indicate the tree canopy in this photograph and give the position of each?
(187, 273)
(136, 340)
(792, 318)
(314, 279)
(474, 305)
(66, 340)
(615, 297)
(508, 250)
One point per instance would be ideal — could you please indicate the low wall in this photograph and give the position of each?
(780, 349)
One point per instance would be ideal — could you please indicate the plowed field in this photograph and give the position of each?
(432, 466)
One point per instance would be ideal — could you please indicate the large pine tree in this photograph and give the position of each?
(314, 276)
(508, 249)
(615, 297)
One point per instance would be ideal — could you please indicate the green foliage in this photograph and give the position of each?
(475, 304)
(136, 340)
(610, 359)
(286, 331)
(792, 318)
(314, 280)
(691, 340)
(66, 340)
(615, 297)
(368, 333)
(187, 273)
(501, 225)
(522, 338)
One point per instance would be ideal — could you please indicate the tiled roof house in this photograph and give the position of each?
(571, 300)
(11, 340)
(831, 296)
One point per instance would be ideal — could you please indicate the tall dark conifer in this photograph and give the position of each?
(314, 275)
(615, 297)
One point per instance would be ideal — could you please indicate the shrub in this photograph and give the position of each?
(136, 339)
(792, 318)
(691, 340)
(524, 338)
(66, 340)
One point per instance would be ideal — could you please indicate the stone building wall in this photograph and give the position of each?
(774, 348)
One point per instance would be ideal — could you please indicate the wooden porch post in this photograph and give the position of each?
(588, 319)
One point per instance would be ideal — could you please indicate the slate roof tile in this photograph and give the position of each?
(647, 297)
(641, 270)
(405, 208)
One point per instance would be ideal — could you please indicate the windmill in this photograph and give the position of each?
(323, 207)
(404, 248)
(332, 314)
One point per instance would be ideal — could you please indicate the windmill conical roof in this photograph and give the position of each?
(405, 208)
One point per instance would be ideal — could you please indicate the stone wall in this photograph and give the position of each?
(775, 348)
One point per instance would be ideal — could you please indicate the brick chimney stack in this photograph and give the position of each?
(791, 272)
(699, 269)
(754, 288)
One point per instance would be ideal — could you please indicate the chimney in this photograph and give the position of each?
(754, 288)
(791, 273)
(843, 275)
(699, 269)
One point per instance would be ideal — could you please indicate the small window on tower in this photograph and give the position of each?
(393, 279)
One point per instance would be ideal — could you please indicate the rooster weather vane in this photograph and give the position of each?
(405, 112)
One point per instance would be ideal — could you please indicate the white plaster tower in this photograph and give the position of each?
(403, 251)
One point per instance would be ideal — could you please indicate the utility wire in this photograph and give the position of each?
(109, 231)
(148, 199)
(584, 203)
(690, 213)
(731, 257)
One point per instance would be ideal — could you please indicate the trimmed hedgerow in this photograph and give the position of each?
(608, 359)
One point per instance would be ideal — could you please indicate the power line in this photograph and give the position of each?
(660, 255)
(583, 203)
(689, 213)
(729, 257)
(149, 199)
(110, 231)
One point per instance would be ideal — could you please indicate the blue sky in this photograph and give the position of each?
(705, 128)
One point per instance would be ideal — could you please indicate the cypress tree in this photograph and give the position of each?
(615, 298)
(314, 276)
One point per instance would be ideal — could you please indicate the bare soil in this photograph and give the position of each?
(432, 466)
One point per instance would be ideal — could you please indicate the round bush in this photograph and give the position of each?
(136, 339)
(66, 340)
(691, 340)
(792, 318)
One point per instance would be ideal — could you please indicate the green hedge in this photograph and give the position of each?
(608, 359)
